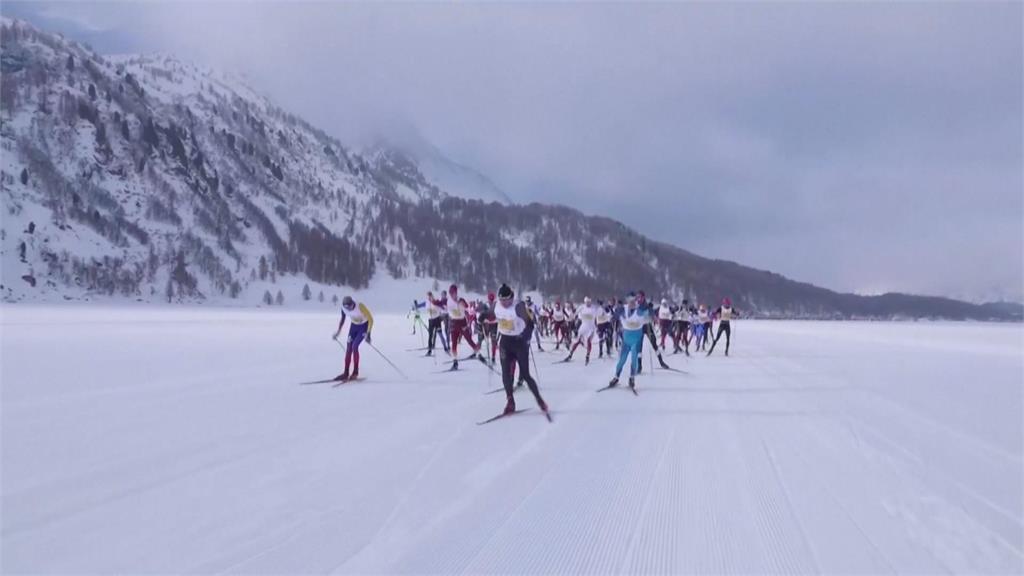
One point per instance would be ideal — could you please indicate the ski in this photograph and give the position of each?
(547, 415)
(562, 361)
(677, 370)
(488, 365)
(327, 381)
(500, 416)
(416, 349)
(340, 382)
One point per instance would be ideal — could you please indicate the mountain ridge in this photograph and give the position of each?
(147, 178)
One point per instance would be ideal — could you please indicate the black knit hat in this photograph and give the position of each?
(505, 293)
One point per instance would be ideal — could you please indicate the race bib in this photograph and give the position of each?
(506, 325)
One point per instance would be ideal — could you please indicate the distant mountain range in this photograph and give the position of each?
(147, 178)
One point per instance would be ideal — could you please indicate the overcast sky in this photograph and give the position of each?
(861, 146)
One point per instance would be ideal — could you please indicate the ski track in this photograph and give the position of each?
(161, 445)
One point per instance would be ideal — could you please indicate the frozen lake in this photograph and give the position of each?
(178, 440)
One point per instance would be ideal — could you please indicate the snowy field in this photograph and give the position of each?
(178, 440)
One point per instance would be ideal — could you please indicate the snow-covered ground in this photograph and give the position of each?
(179, 440)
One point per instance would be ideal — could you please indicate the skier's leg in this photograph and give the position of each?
(623, 354)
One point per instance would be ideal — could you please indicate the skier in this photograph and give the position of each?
(488, 325)
(588, 313)
(415, 313)
(558, 318)
(604, 329)
(665, 314)
(724, 313)
(435, 319)
(544, 314)
(457, 311)
(360, 326)
(700, 322)
(708, 331)
(516, 326)
(537, 312)
(642, 302)
(633, 318)
(683, 327)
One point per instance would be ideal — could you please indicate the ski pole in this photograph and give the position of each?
(370, 344)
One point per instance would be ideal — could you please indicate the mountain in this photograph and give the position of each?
(453, 178)
(147, 178)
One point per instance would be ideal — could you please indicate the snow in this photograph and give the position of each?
(177, 440)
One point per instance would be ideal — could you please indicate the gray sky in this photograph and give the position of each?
(860, 146)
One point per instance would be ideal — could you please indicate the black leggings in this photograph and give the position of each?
(723, 326)
(515, 353)
(433, 329)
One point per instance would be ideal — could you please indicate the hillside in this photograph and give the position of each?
(148, 178)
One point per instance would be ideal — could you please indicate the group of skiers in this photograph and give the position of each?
(503, 328)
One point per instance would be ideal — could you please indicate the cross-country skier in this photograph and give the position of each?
(488, 325)
(700, 328)
(682, 328)
(604, 329)
(558, 318)
(515, 325)
(435, 319)
(664, 320)
(415, 313)
(725, 313)
(648, 330)
(537, 312)
(708, 331)
(360, 326)
(588, 313)
(633, 318)
(457, 311)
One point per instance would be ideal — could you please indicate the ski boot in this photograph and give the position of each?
(639, 365)
(510, 406)
(354, 376)
(341, 377)
(455, 365)
(586, 362)
(614, 382)
(632, 383)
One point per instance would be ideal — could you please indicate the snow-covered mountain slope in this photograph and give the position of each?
(451, 177)
(147, 178)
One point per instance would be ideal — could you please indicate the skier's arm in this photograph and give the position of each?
(340, 324)
(523, 313)
(369, 319)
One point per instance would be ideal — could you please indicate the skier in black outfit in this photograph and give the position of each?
(515, 325)
(725, 313)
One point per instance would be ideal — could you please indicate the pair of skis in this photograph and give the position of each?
(336, 381)
(546, 413)
(609, 387)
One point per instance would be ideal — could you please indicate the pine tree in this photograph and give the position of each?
(280, 298)
(24, 176)
(263, 267)
(306, 292)
(321, 296)
(334, 299)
